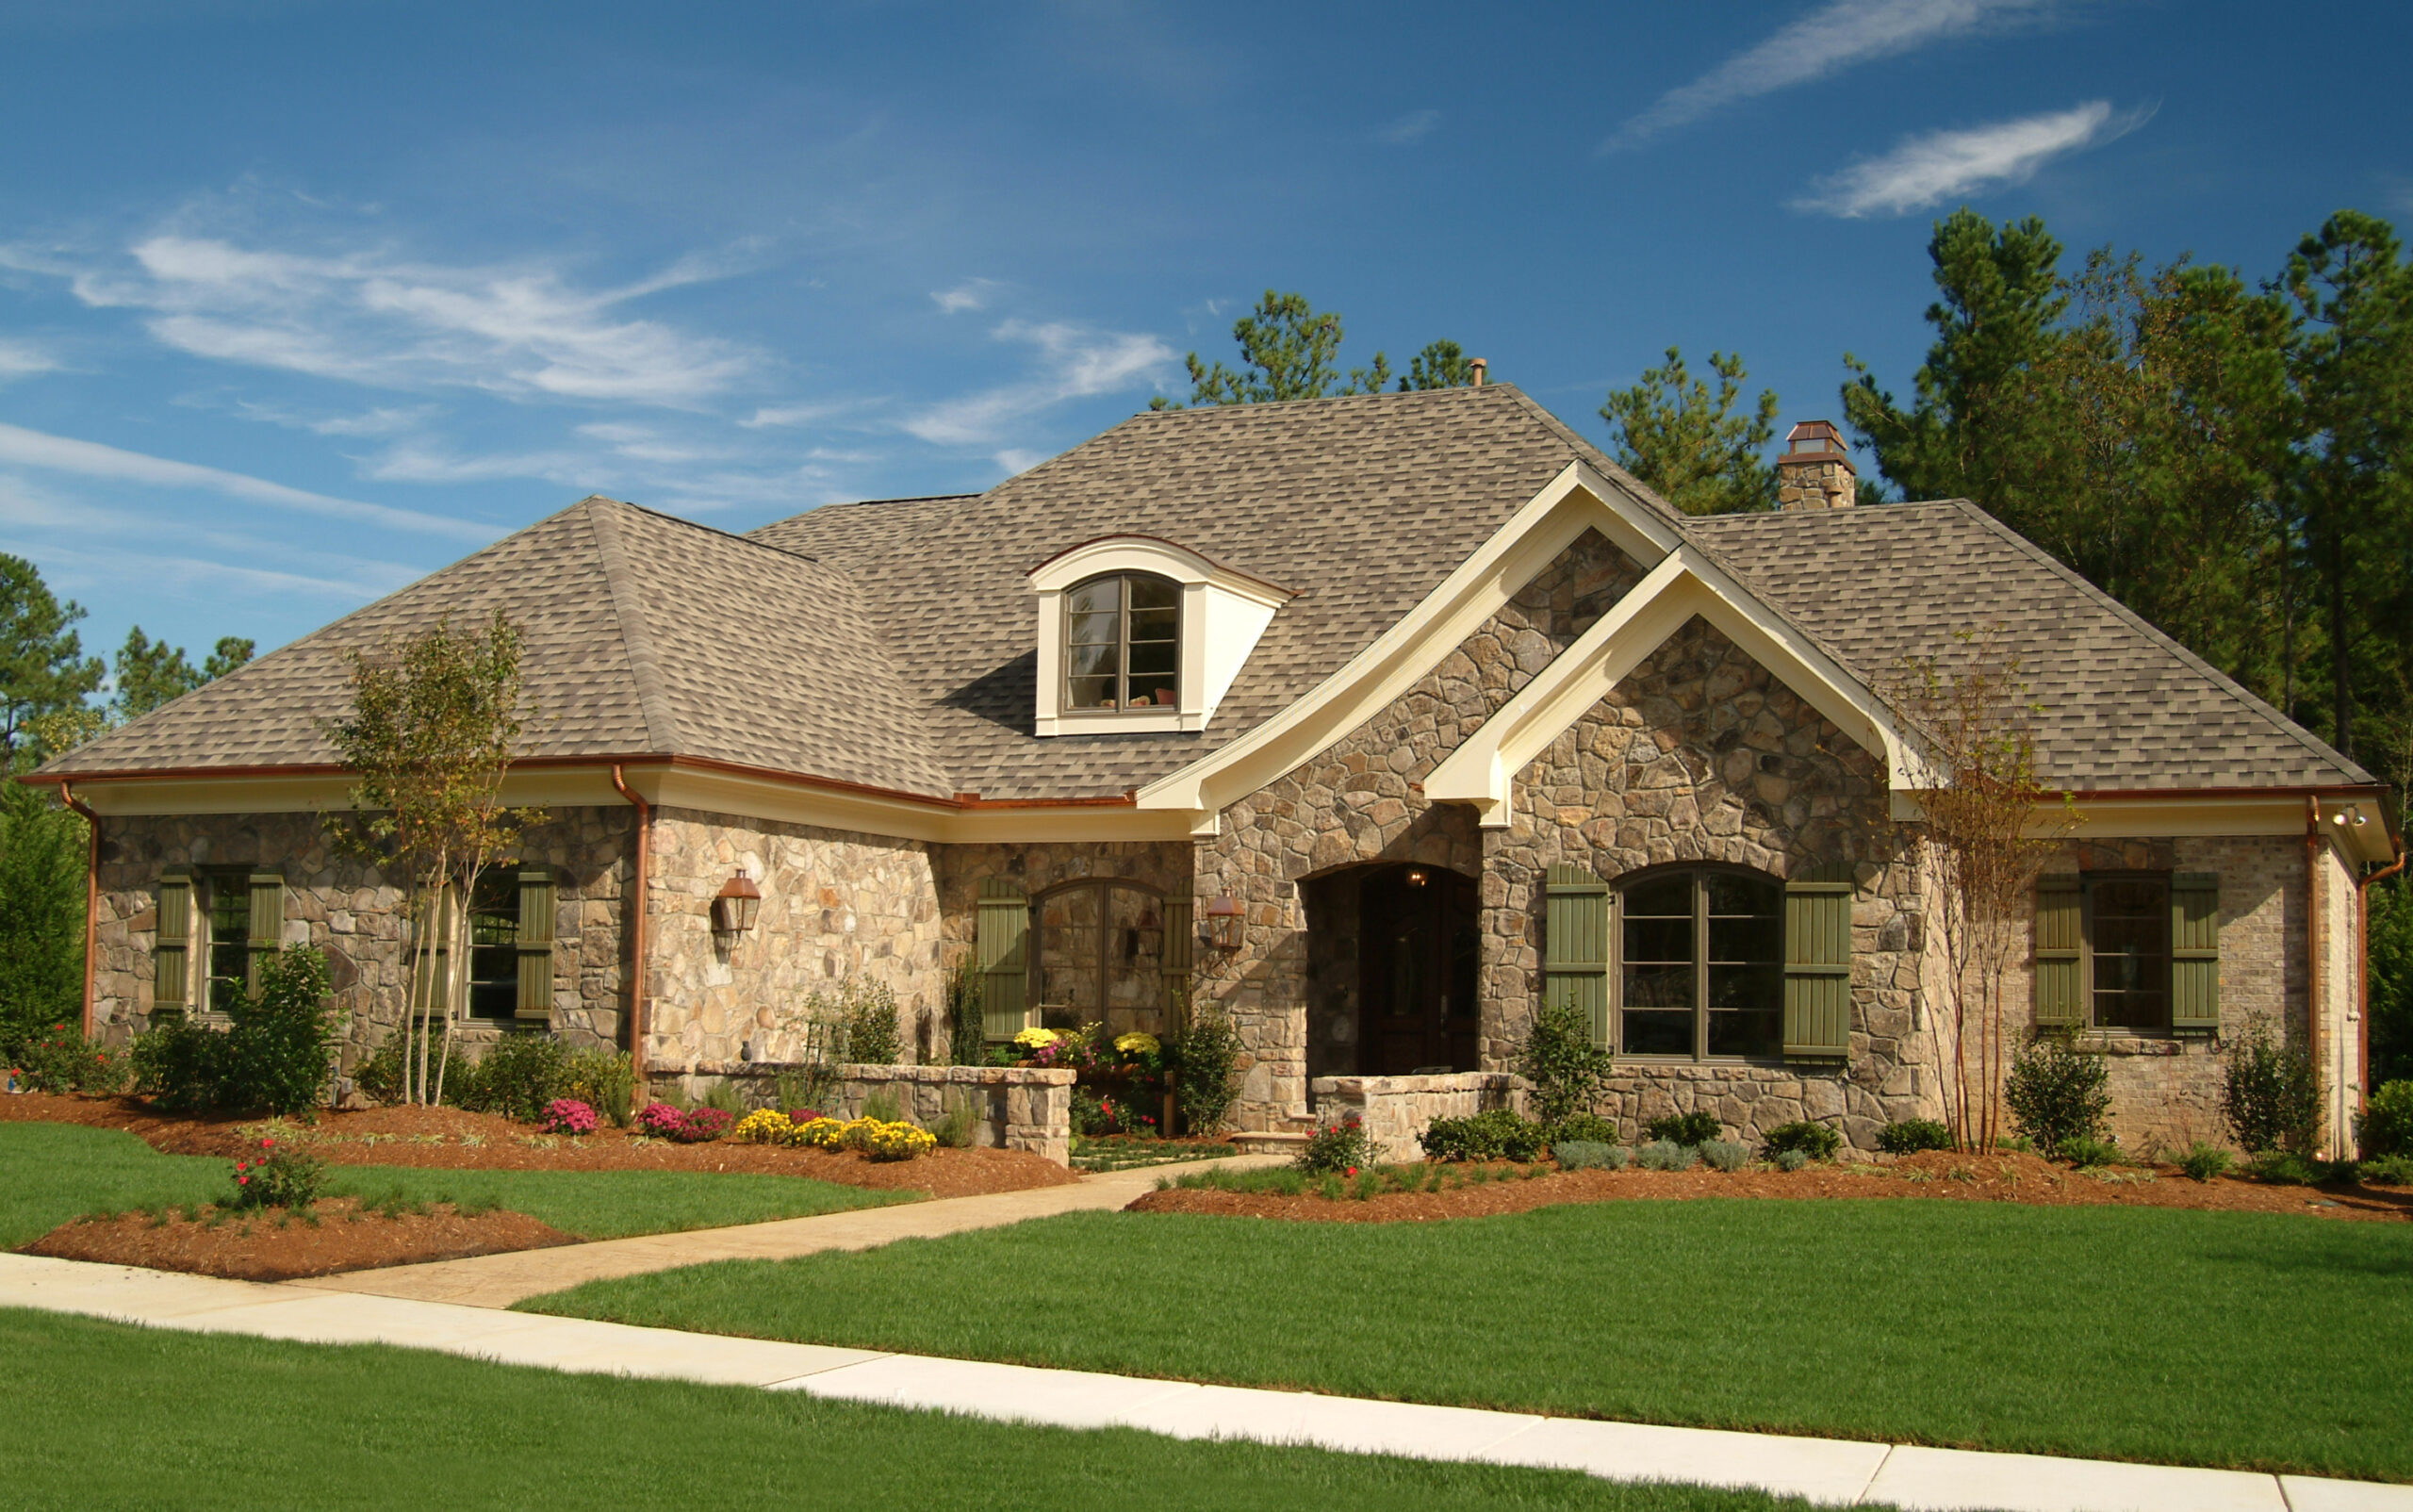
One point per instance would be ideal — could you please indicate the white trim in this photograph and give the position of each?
(1579, 498)
(1222, 615)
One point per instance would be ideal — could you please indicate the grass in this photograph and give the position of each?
(234, 1422)
(1373, 1181)
(1127, 1152)
(2245, 1339)
(50, 1173)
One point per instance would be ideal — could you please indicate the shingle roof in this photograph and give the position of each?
(2123, 706)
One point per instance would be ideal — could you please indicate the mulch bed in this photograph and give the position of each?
(2022, 1178)
(449, 1139)
(273, 1246)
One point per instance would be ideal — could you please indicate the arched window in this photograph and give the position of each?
(1101, 957)
(1122, 643)
(1702, 951)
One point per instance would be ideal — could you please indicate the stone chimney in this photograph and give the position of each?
(1815, 472)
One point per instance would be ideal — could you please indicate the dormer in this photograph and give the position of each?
(1139, 635)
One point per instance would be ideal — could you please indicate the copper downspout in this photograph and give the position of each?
(92, 888)
(637, 1025)
(2316, 931)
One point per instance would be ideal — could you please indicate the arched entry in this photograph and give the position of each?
(1101, 957)
(1419, 951)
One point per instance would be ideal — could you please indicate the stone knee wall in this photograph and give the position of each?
(1396, 1111)
(1015, 1107)
(837, 908)
(358, 916)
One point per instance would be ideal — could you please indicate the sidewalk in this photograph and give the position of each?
(1835, 1472)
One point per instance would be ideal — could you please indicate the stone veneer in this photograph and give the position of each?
(1396, 1111)
(1015, 1107)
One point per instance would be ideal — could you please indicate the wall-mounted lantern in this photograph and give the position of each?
(1418, 876)
(1223, 923)
(734, 907)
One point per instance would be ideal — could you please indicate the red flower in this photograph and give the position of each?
(1352, 1169)
(267, 1144)
(243, 1181)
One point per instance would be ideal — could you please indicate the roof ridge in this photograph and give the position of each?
(2219, 679)
(637, 639)
(709, 529)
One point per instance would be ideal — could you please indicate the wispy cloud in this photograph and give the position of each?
(1075, 362)
(526, 331)
(1409, 129)
(805, 414)
(89, 459)
(22, 359)
(1926, 171)
(1823, 42)
(972, 294)
(386, 420)
(422, 461)
(1015, 459)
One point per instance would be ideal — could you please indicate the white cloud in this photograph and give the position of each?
(805, 414)
(972, 294)
(1013, 459)
(1826, 41)
(522, 332)
(1924, 171)
(1410, 128)
(380, 422)
(22, 359)
(1075, 362)
(419, 462)
(89, 459)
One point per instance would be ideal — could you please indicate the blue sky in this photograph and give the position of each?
(300, 302)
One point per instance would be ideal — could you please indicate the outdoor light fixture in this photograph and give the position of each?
(738, 902)
(1415, 877)
(1223, 923)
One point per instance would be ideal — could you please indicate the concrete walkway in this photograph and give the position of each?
(1834, 1471)
(500, 1280)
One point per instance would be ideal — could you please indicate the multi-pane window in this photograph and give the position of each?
(1123, 644)
(494, 945)
(227, 923)
(1703, 966)
(2128, 938)
(1101, 957)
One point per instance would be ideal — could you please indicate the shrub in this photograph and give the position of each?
(1816, 1140)
(763, 1125)
(959, 1125)
(1666, 1155)
(1583, 1128)
(2389, 1170)
(2270, 1093)
(1561, 1061)
(1205, 1056)
(2203, 1161)
(691, 1125)
(2385, 1126)
(820, 1133)
(966, 1028)
(277, 1176)
(2057, 1091)
(1725, 1154)
(518, 1077)
(1590, 1154)
(867, 1012)
(568, 1115)
(180, 1065)
(59, 1058)
(883, 1106)
(896, 1142)
(660, 1120)
(1339, 1146)
(381, 1076)
(2288, 1168)
(276, 1053)
(605, 1080)
(1912, 1135)
(1495, 1134)
(1694, 1129)
(1791, 1159)
(2084, 1150)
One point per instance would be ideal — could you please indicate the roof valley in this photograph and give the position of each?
(628, 612)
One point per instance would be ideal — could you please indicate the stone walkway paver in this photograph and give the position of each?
(500, 1280)
(1835, 1472)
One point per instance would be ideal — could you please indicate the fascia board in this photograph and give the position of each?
(319, 792)
(1576, 500)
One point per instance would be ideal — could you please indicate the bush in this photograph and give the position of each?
(59, 1058)
(1590, 1154)
(180, 1065)
(2203, 1161)
(1583, 1128)
(1791, 1159)
(277, 1176)
(1666, 1155)
(959, 1125)
(276, 1053)
(1725, 1154)
(966, 1027)
(605, 1080)
(518, 1077)
(1559, 1059)
(2085, 1150)
(1694, 1129)
(2288, 1168)
(2385, 1126)
(568, 1115)
(381, 1076)
(1342, 1145)
(868, 1015)
(1912, 1135)
(1496, 1134)
(2057, 1091)
(691, 1125)
(42, 917)
(1816, 1140)
(2270, 1093)
(1205, 1055)
(2389, 1170)
(883, 1106)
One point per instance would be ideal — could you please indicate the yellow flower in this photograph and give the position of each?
(821, 1133)
(764, 1126)
(1137, 1043)
(1033, 1039)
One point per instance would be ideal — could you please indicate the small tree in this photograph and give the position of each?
(2270, 1093)
(434, 725)
(1568, 1071)
(1690, 446)
(1983, 848)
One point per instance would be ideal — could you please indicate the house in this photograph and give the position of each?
(1371, 719)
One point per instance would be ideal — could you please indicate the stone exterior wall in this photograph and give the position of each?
(837, 908)
(355, 914)
(1163, 864)
(1358, 802)
(1701, 754)
(1016, 1107)
(1396, 1111)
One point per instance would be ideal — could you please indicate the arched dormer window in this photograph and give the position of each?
(1122, 643)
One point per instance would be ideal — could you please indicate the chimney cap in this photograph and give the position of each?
(1814, 437)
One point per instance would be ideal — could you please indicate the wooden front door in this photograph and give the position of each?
(1419, 952)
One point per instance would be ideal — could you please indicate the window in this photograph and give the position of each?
(1122, 643)
(2139, 951)
(494, 945)
(1101, 957)
(226, 945)
(1703, 957)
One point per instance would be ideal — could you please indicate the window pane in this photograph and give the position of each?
(2131, 943)
(229, 929)
(1135, 948)
(1093, 629)
(1154, 658)
(1093, 660)
(1658, 940)
(1755, 938)
(1155, 593)
(1105, 595)
(1658, 986)
(1658, 1033)
(1759, 1034)
(1752, 987)
(1069, 925)
(1732, 894)
(1154, 624)
(494, 945)
(1667, 896)
(1157, 689)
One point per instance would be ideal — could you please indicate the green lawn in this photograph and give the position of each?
(101, 1415)
(2152, 1334)
(50, 1173)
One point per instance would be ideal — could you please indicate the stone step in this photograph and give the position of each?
(1269, 1141)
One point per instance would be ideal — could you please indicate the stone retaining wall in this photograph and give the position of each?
(1016, 1107)
(1396, 1111)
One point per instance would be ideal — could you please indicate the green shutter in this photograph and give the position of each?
(1818, 964)
(1181, 940)
(171, 945)
(1575, 946)
(1003, 955)
(266, 935)
(439, 990)
(536, 1001)
(2061, 974)
(2195, 951)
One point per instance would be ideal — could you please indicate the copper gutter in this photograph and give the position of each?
(637, 1025)
(91, 889)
